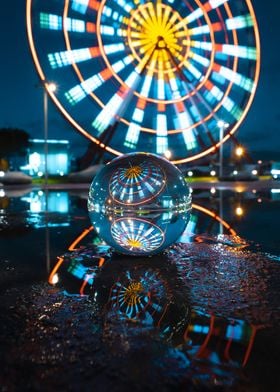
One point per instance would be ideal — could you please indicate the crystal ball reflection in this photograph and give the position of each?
(139, 204)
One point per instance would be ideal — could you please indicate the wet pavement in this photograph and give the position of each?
(204, 315)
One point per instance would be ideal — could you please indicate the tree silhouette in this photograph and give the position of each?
(13, 142)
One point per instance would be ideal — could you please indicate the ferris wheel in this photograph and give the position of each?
(161, 76)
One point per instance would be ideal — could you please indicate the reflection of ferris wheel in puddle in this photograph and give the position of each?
(196, 209)
(148, 76)
(99, 259)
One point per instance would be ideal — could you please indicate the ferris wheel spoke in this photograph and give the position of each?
(236, 78)
(206, 105)
(56, 22)
(82, 90)
(184, 121)
(232, 108)
(216, 3)
(192, 70)
(68, 57)
(165, 15)
(202, 60)
(204, 45)
(80, 6)
(124, 5)
(117, 104)
(239, 22)
(112, 49)
(204, 29)
(152, 16)
(161, 133)
(193, 16)
(133, 133)
(88, 86)
(175, 64)
(245, 52)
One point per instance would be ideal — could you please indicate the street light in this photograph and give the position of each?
(51, 88)
(48, 88)
(239, 211)
(222, 126)
(239, 151)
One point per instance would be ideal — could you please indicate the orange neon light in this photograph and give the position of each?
(228, 345)
(207, 7)
(161, 107)
(209, 85)
(141, 103)
(78, 239)
(218, 47)
(55, 269)
(215, 216)
(251, 342)
(90, 27)
(216, 67)
(83, 286)
(106, 74)
(180, 106)
(93, 4)
(217, 26)
(208, 336)
(94, 51)
(163, 314)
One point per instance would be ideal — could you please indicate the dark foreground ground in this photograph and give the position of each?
(203, 316)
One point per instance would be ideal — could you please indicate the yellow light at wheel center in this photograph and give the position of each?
(157, 28)
(159, 34)
(134, 243)
(161, 43)
(131, 295)
(133, 171)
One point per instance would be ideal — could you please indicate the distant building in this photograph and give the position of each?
(57, 157)
(275, 170)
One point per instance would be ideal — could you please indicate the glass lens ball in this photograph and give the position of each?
(139, 204)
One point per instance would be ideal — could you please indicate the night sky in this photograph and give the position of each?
(22, 99)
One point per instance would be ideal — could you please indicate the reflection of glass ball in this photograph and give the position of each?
(139, 204)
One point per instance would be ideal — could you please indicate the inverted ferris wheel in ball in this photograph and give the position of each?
(161, 76)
